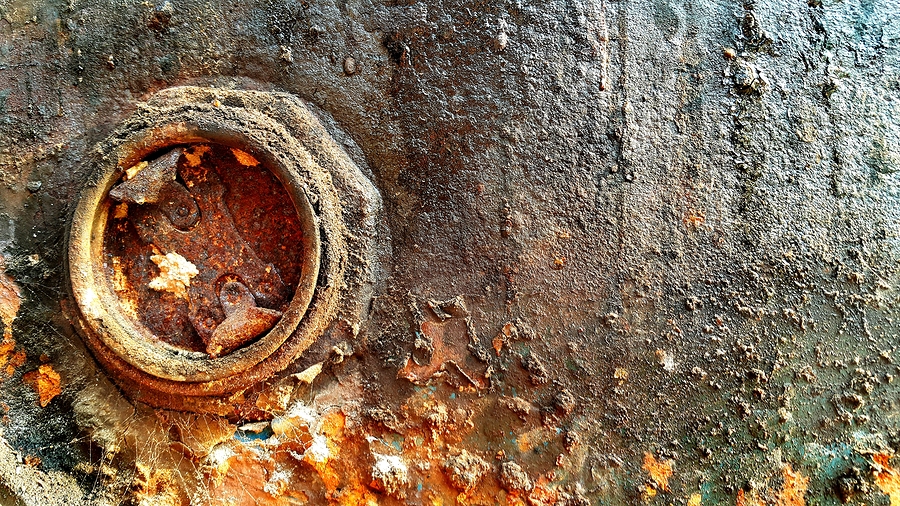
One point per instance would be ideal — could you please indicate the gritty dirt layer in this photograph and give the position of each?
(645, 250)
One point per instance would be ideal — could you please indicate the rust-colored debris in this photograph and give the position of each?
(10, 358)
(694, 219)
(46, 382)
(506, 333)
(175, 274)
(659, 472)
(887, 478)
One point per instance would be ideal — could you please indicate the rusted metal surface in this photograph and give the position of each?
(630, 252)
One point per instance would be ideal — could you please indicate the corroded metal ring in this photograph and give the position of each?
(278, 130)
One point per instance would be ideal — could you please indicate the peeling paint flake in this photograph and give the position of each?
(308, 375)
(46, 383)
(175, 273)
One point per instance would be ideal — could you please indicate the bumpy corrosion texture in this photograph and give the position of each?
(629, 252)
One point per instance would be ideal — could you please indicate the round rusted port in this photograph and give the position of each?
(237, 216)
(209, 248)
(249, 205)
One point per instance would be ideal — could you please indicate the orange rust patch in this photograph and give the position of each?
(887, 478)
(245, 480)
(694, 219)
(244, 158)
(356, 496)
(194, 155)
(744, 500)
(793, 492)
(10, 358)
(10, 301)
(659, 472)
(333, 427)
(505, 334)
(542, 496)
(330, 478)
(46, 382)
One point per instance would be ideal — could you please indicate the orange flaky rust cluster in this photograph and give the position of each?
(327, 450)
(659, 472)
(46, 383)
(45, 380)
(10, 302)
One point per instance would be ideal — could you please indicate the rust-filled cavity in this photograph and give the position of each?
(203, 247)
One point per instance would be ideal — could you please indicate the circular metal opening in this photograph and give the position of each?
(195, 256)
